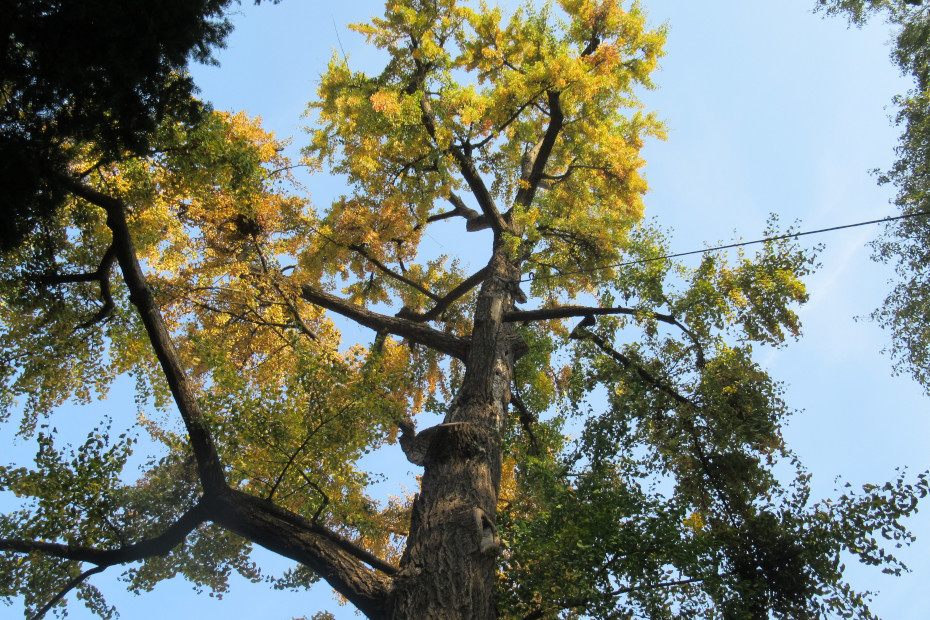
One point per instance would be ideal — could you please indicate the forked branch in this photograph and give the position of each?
(469, 172)
(450, 298)
(331, 556)
(101, 275)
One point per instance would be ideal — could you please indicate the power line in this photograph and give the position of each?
(728, 246)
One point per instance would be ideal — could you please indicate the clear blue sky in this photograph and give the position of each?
(771, 109)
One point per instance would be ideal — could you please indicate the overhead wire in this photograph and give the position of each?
(728, 246)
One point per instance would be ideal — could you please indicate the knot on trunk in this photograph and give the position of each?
(415, 445)
(440, 442)
(489, 543)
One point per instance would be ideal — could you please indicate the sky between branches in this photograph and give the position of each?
(771, 109)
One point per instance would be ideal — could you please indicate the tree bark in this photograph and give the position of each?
(448, 569)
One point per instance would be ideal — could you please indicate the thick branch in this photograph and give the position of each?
(450, 298)
(331, 556)
(405, 328)
(474, 221)
(327, 554)
(543, 151)
(564, 312)
(208, 462)
(469, 172)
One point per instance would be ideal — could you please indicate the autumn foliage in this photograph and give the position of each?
(607, 443)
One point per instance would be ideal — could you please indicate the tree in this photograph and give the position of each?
(105, 72)
(905, 242)
(527, 132)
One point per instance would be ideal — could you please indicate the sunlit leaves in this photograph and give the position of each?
(469, 84)
(638, 459)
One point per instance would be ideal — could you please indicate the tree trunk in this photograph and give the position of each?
(448, 569)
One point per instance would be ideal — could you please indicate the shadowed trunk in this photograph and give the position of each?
(449, 566)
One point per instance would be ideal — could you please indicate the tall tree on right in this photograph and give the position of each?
(905, 242)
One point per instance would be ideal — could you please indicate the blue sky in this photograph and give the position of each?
(771, 109)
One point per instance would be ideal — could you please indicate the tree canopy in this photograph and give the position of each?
(905, 242)
(607, 444)
(101, 73)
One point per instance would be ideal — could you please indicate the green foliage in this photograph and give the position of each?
(638, 468)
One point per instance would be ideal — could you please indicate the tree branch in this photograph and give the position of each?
(160, 545)
(474, 221)
(336, 559)
(64, 591)
(468, 170)
(208, 462)
(582, 333)
(450, 298)
(291, 307)
(563, 312)
(543, 150)
(527, 419)
(101, 275)
(653, 586)
(360, 249)
(580, 603)
(326, 553)
(444, 343)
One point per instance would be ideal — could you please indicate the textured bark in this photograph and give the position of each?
(290, 535)
(449, 566)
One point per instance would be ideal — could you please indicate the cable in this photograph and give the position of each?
(728, 246)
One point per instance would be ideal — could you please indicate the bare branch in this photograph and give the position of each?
(444, 343)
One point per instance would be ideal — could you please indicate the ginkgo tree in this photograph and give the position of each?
(607, 445)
